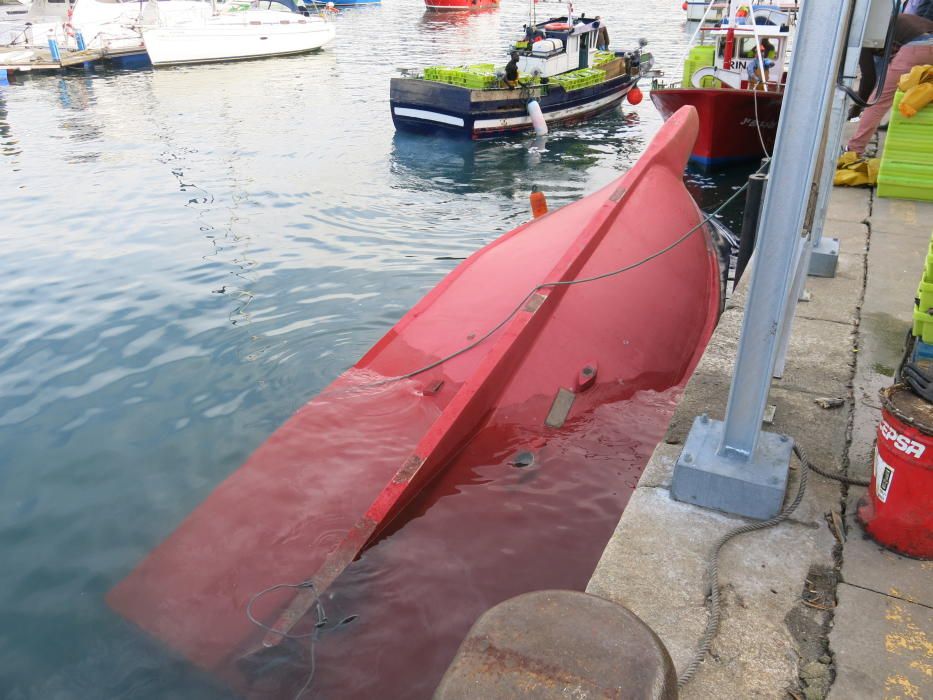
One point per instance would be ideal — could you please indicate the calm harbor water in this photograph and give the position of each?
(190, 254)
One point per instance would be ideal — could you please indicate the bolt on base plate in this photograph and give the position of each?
(754, 488)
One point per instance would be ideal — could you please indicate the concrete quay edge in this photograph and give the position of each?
(785, 588)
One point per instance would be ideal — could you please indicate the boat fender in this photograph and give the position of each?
(634, 96)
(557, 27)
(538, 202)
(537, 117)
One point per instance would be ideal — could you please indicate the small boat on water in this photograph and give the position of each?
(182, 31)
(461, 5)
(738, 103)
(563, 78)
(543, 327)
(698, 9)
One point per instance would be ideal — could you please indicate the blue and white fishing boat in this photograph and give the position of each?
(563, 78)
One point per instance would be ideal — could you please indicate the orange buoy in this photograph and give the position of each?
(684, 6)
(634, 96)
(538, 202)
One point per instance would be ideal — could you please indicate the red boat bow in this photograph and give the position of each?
(335, 475)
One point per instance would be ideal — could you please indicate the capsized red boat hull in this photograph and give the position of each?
(442, 5)
(345, 465)
(728, 121)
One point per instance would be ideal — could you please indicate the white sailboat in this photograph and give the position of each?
(185, 31)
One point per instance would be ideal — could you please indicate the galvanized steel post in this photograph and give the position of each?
(821, 255)
(819, 266)
(732, 465)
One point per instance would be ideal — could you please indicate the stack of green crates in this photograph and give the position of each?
(603, 57)
(700, 57)
(907, 162)
(577, 79)
(477, 76)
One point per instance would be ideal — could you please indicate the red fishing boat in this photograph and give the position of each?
(739, 103)
(460, 4)
(587, 306)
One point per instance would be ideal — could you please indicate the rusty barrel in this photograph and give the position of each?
(897, 511)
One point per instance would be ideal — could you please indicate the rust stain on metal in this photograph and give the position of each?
(488, 662)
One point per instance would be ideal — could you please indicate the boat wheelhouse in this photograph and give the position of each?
(563, 77)
(738, 101)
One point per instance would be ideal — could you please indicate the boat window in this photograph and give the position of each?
(745, 47)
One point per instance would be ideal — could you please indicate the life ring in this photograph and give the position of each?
(557, 27)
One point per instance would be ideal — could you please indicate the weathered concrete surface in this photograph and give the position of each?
(883, 648)
(868, 565)
(779, 585)
(882, 640)
(886, 313)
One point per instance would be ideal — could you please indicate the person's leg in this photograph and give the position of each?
(908, 57)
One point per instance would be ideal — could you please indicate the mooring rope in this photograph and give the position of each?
(712, 572)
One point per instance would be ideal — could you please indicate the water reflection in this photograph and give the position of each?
(432, 21)
(562, 161)
(7, 142)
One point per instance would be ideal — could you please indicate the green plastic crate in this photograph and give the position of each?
(923, 325)
(699, 57)
(907, 161)
(925, 295)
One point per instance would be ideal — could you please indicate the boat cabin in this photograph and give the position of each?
(559, 45)
(729, 55)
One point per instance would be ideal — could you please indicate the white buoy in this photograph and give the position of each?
(537, 117)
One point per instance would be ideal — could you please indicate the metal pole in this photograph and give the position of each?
(825, 254)
(820, 256)
(732, 465)
(753, 197)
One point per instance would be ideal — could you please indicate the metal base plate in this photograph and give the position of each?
(824, 258)
(754, 488)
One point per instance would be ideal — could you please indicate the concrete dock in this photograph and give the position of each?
(811, 608)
